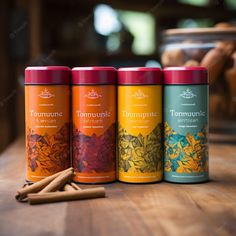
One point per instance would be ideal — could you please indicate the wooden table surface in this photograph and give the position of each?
(128, 209)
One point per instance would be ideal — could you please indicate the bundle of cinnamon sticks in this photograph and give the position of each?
(56, 188)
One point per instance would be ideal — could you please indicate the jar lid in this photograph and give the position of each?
(94, 75)
(195, 31)
(47, 75)
(198, 34)
(140, 75)
(185, 75)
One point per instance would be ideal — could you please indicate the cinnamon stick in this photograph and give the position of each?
(35, 198)
(75, 186)
(38, 186)
(69, 188)
(58, 182)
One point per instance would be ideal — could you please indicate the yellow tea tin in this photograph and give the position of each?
(140, 125)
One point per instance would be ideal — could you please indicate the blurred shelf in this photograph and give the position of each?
(99, 54)
(101, 58)
(167, 9)
(222, 138)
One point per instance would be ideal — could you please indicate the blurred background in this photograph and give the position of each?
(115, 33)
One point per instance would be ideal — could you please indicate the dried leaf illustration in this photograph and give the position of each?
(140, 154)
(185, 154)
(49, 153)
(94, 154)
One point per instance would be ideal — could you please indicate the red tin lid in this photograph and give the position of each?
(47, 75)
(140, 75)
(94, 75)
(185, 75)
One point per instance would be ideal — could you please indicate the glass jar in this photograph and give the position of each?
(215, 49)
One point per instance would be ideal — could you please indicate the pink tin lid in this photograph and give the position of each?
(140, 75)
(185, 75)
(47, 75)
(94, 75)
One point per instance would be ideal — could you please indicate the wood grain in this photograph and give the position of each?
(128, 209)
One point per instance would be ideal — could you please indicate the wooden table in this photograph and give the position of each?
(152, 209)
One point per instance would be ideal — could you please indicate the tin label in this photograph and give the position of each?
(94, 133)
(47, 130)
(185, 133)
(140, 133)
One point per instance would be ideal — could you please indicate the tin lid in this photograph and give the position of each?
(94, 75)
(47, 75)
(185, 75)
(140, 75)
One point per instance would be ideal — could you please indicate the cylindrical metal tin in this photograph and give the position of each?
(47, 107)
(140, 125)
(94, 124)
(185, 124)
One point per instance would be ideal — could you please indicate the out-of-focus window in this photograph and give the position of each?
(195, 23)
(106, 20)
(113, 23)
(195, 2)
(142, 26)
(231, 4)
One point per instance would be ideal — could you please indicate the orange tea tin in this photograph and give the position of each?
(47, 117)
(94, 124)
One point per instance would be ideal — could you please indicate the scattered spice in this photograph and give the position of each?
(35, 198)
(57, 188)
(21, 194)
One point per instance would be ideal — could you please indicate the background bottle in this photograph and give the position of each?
(186, 124)
(140, 125)
(47, 110)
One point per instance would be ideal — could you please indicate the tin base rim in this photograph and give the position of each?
(188, 183)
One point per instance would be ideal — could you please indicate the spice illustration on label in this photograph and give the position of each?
(94, 154)
(140, 154)
(48, 152)
(185, 153)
